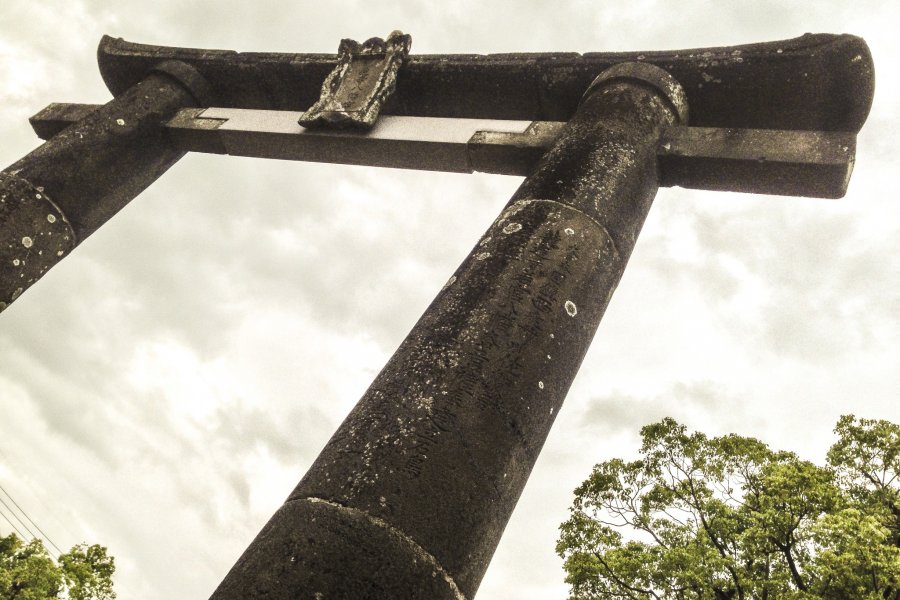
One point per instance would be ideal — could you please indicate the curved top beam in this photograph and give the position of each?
(822, 82)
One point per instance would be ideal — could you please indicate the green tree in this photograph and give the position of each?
(729, 518)
(27, 572)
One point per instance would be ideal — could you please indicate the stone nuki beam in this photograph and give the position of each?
(792, 163)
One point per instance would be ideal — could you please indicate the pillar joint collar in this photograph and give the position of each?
(189, 78)
(648, 74)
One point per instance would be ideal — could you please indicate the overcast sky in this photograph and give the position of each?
(164, 388)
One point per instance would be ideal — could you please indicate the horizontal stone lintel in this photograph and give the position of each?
(795, 163)
(817, 82)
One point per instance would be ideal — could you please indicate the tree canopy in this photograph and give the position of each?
(27, 572)
(729, 518)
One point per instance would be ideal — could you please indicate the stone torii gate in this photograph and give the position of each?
(410, 496)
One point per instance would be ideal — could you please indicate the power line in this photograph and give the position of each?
(21, 522)
(118, 585)
(22, 535)
(30, 520)
(17, 518)
(37, 496)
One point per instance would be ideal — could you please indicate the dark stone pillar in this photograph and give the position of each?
(411, 495)
(60, 193)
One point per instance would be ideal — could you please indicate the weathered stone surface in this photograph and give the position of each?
(441, 445)
(56, 116)
(760, 161)
(97, 165)
(85, 174)
(34, 236)
(816, 164)
(817, 82)
(364, 77)
(314, 549)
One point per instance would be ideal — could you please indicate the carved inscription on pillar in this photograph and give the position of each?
(463, 408)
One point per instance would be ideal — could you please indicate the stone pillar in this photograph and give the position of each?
(60, 193)
(410, 496)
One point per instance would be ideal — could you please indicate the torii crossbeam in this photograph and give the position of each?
(410, 496)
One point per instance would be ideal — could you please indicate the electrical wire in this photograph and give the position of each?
(18, 518)
(119, 588)
(26, 538)
(4, 458)
(30, 520)
(21, 535)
